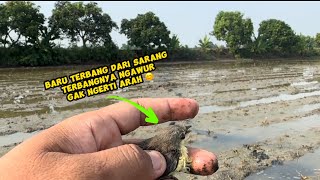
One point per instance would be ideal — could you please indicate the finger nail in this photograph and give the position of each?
(158, 162)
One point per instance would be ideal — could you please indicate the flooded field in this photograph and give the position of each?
(262, 119)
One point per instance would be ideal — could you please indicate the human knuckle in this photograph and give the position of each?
(135, 155)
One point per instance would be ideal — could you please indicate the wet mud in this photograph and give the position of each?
(262, 120)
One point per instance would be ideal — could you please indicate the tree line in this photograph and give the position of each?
(28, 38)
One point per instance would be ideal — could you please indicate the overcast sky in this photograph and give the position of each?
(192, 20)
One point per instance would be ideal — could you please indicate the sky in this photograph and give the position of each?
(192, 20)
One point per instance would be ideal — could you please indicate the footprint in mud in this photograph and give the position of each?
(277, 162)
(257, 152)
(259, 155)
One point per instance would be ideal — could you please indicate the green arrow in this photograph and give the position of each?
(151, 116)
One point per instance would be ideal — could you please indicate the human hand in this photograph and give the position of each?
(90, 146)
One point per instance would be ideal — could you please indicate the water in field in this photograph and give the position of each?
(239, 103)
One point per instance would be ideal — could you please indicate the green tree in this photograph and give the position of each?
(48, 34)
(306, 45)
(83, 21)
(234, 29)
(146, 31)
(318, 39)
(205, 44)
(21, 19)
(174, 42)
(4, 25)
(275, 36)
(128, 47)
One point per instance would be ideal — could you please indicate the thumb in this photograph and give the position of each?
(130, 162)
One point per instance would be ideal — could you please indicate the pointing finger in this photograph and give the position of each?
(129, 118)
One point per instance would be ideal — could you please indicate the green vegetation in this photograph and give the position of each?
(234, 29)
(146, 32)
(276, 37)
(27, 38)
(318, 39)
(205, 44)
(83, 21)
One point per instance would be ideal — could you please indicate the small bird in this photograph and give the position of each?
(170, 143)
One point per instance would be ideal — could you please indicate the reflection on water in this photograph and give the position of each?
(304, 83)
(308, 72)
(277, 69)
(24, 86)
(309, 107)
(281, 97)
(221, 142)
(307, 165)
(214, 108)
(15, 138)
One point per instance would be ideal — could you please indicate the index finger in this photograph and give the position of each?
(129, 118)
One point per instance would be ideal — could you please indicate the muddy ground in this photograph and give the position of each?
(261, 119)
